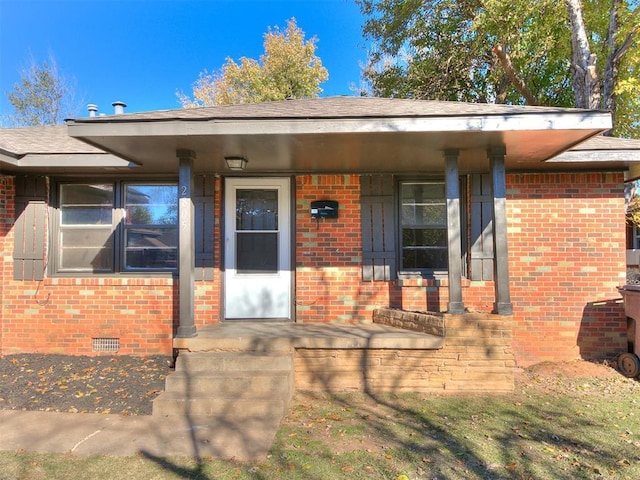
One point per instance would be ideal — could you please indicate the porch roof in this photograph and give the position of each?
(344, 135)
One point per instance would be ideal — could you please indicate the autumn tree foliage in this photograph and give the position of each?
(289, 68)
(542, 52)
(43, 96)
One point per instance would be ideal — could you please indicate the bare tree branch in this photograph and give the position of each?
(520, 85)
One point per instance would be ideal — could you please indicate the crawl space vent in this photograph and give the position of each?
(105, 344)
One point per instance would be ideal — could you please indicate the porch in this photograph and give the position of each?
(469, 352)
(257, 336)
(243, 375)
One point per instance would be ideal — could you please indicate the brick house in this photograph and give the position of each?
(140, 230)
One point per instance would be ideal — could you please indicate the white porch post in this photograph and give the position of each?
(186, 244)
(502, 304)
(453, 231)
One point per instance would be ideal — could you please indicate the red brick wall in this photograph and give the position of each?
(566, 250)
(63, 315)
(329, 255)
(207, 300)
(7, 214)
(566, 256)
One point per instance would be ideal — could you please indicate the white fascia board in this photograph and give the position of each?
(9, 159)
(597, 156)
(73, 160)
(596, 120)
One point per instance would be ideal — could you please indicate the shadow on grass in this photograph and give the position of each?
(197, 472)
(533, 434)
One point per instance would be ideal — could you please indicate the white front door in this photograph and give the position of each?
(257, 249)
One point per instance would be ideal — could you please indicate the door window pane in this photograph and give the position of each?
(256, 209)
(256, 252)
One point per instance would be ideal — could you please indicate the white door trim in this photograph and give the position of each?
(258, 296)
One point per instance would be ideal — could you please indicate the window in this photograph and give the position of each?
(423, 226)
(150, 227)
(113, 227)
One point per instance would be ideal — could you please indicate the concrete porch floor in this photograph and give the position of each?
(281, 336)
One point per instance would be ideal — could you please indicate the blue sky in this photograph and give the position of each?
(143, 51)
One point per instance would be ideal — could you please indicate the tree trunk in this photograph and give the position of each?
(615, 53)
(611, 70)
(585, 76)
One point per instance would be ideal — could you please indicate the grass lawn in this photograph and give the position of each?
(555, 426)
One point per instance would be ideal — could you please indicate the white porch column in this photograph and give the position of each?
(452, 182)
(502, 303)
(186, 245)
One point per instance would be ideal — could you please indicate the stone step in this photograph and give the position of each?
(238, 384)
(233, 361)
(220, 408)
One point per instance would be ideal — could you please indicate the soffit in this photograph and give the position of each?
(343, 135)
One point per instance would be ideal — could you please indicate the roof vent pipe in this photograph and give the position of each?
(93, 109)
(118, 107)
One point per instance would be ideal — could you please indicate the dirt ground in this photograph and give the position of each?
(575, 369)
(61, 383)
(127, 385)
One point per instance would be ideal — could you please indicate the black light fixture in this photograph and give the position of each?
(236, 163)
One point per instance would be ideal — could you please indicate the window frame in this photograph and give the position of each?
(118, 229)
(403, 271)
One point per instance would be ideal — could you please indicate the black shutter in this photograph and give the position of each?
(30, 228)
(481, 227)
(203, 202)
(378, 228)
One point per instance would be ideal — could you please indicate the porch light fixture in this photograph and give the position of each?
(236, 163)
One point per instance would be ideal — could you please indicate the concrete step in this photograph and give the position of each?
(233, 361)
(246, 439)
(227, 408)
(234, 384)
(233, 402)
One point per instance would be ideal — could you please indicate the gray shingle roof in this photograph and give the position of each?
(42, 140)
(330, 107)
(601, 142)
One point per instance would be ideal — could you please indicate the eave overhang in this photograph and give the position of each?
(307, 137)
(62, 162)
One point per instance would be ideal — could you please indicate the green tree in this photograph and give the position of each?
(541, 52)
(43, 96)
(289, 68)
